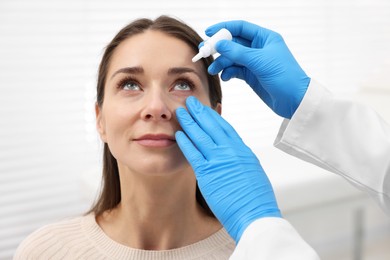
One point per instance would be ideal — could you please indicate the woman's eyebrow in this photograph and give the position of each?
(181, 70)
(129, 70)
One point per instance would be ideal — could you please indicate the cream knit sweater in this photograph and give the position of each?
(82, 238)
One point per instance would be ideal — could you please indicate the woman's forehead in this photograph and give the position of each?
(154, 49)
(157, 44)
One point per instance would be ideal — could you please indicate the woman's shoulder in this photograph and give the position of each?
(48, 239)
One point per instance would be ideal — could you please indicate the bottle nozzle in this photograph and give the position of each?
(197, 57)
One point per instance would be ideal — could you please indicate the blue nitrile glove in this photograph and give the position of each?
(229, 174)
(261, 58)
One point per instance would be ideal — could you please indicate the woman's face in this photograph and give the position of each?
(150, 75)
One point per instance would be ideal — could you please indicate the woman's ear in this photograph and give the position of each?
(100, 125)
(218, 108)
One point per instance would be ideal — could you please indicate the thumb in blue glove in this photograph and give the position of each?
(261, 58)
(229, 174)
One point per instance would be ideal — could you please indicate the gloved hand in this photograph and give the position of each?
(261, 58)
(229, 174)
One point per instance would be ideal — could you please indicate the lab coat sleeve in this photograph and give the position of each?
(272, 238)
(341, 136)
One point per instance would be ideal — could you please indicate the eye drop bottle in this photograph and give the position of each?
(209, 45)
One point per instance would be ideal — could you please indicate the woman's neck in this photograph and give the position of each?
(158, 213)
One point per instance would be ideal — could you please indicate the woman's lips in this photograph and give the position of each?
(155, 140)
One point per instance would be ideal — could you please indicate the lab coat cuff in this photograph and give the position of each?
(291, 130)
(272, 238)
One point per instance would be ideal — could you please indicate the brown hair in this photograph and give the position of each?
(110, 194)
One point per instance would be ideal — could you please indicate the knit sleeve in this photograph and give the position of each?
(51, 241)
(38, 245)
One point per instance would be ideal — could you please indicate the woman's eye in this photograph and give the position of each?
(130, 85)
(183, 86)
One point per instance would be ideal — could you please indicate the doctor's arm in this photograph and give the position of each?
(341, 136)
(236, 187)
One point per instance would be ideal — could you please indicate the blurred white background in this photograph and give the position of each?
(49, 150)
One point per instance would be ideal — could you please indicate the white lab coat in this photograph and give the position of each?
(338, 135)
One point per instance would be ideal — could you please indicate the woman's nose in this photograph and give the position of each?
(156, 107)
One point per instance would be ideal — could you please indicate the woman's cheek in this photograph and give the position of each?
(179, 99)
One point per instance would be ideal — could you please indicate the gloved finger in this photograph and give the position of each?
(231, 52)
(229, 131)
(238, 40)
(243, 73)
(218, 65)
(193, 156)
(232, 72)
(203, 117)
(242, 41)
(195, 133)
(239, 28)
(236, 53)
(200, 45)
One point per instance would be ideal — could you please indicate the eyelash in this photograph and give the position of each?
(126, 80)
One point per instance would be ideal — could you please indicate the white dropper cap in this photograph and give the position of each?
(208, 47)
